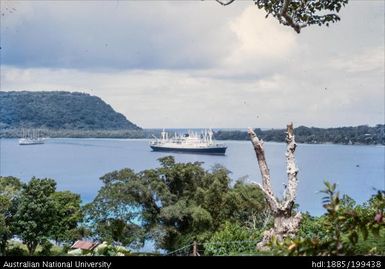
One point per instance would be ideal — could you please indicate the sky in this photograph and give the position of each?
(198, 64)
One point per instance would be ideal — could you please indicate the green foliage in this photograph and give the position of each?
(175, 204)
(312, 227)
(59, 110)
(345, 229)
(60, 133)
(44, 214)
(35, 215)
(307, 13)
(16, 250)
(232, 239)
(67, 216)
(342, 135)
(362, 134)
(10, 188)
(46, 248)
(299, 13)
(106, 249)
(110, 217)
(372, 245)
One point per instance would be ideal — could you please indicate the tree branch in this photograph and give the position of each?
(264, 169)
(292, 170)
(288, 202)
(284, 223)
(288, 19)
(225, 3)
(299, 14)
(273, 203)
(259, 151)
(285, 7)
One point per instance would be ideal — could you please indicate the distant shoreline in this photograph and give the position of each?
(359, 135)
(229, 140)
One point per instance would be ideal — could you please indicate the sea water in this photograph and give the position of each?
(77, 165)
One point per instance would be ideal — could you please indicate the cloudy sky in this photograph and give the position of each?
(199, 64)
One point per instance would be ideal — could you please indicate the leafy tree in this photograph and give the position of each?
(111, 216)
(343, 230)
(312, 227)
(232, 239)
(246, 205)
(10, 188)
(36, 213)
(299, 13)
(46, 248)
(175, 204)
(67, 216)
(43, 214)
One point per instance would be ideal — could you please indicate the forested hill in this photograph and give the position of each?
(59, 110)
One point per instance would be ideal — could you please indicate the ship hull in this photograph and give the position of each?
(213, 150)
(26, 142)
(30, 143)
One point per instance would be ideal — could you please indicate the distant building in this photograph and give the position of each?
(84, 245)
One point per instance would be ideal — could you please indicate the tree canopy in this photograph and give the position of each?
(10, 188)
(67, 215)
(299, 14)
(36, 212)
(173, 205)
(362, 134)
(41, 213)
(345, 229)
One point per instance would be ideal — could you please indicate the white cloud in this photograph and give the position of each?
(161, 98)
(260, 41)
(367, 60)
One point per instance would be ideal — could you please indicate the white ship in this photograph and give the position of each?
(31, 138)
(192, 142)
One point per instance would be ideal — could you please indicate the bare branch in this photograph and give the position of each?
(285, 225)
(292, 170)
(225, 3)
(271, 200)
(259, 151)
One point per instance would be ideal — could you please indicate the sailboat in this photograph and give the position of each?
(31, 138)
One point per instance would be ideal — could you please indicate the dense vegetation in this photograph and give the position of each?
(362, 134)
(175, 205)
(345, 229)
(36, 213)
(59, 110)
(61, 133)
(342, 135)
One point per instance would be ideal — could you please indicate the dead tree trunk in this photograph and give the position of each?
(285, 224)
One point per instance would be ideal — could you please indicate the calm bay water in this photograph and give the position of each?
(77, 164)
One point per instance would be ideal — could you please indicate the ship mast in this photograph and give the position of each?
(163, 133)
(210, 133)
